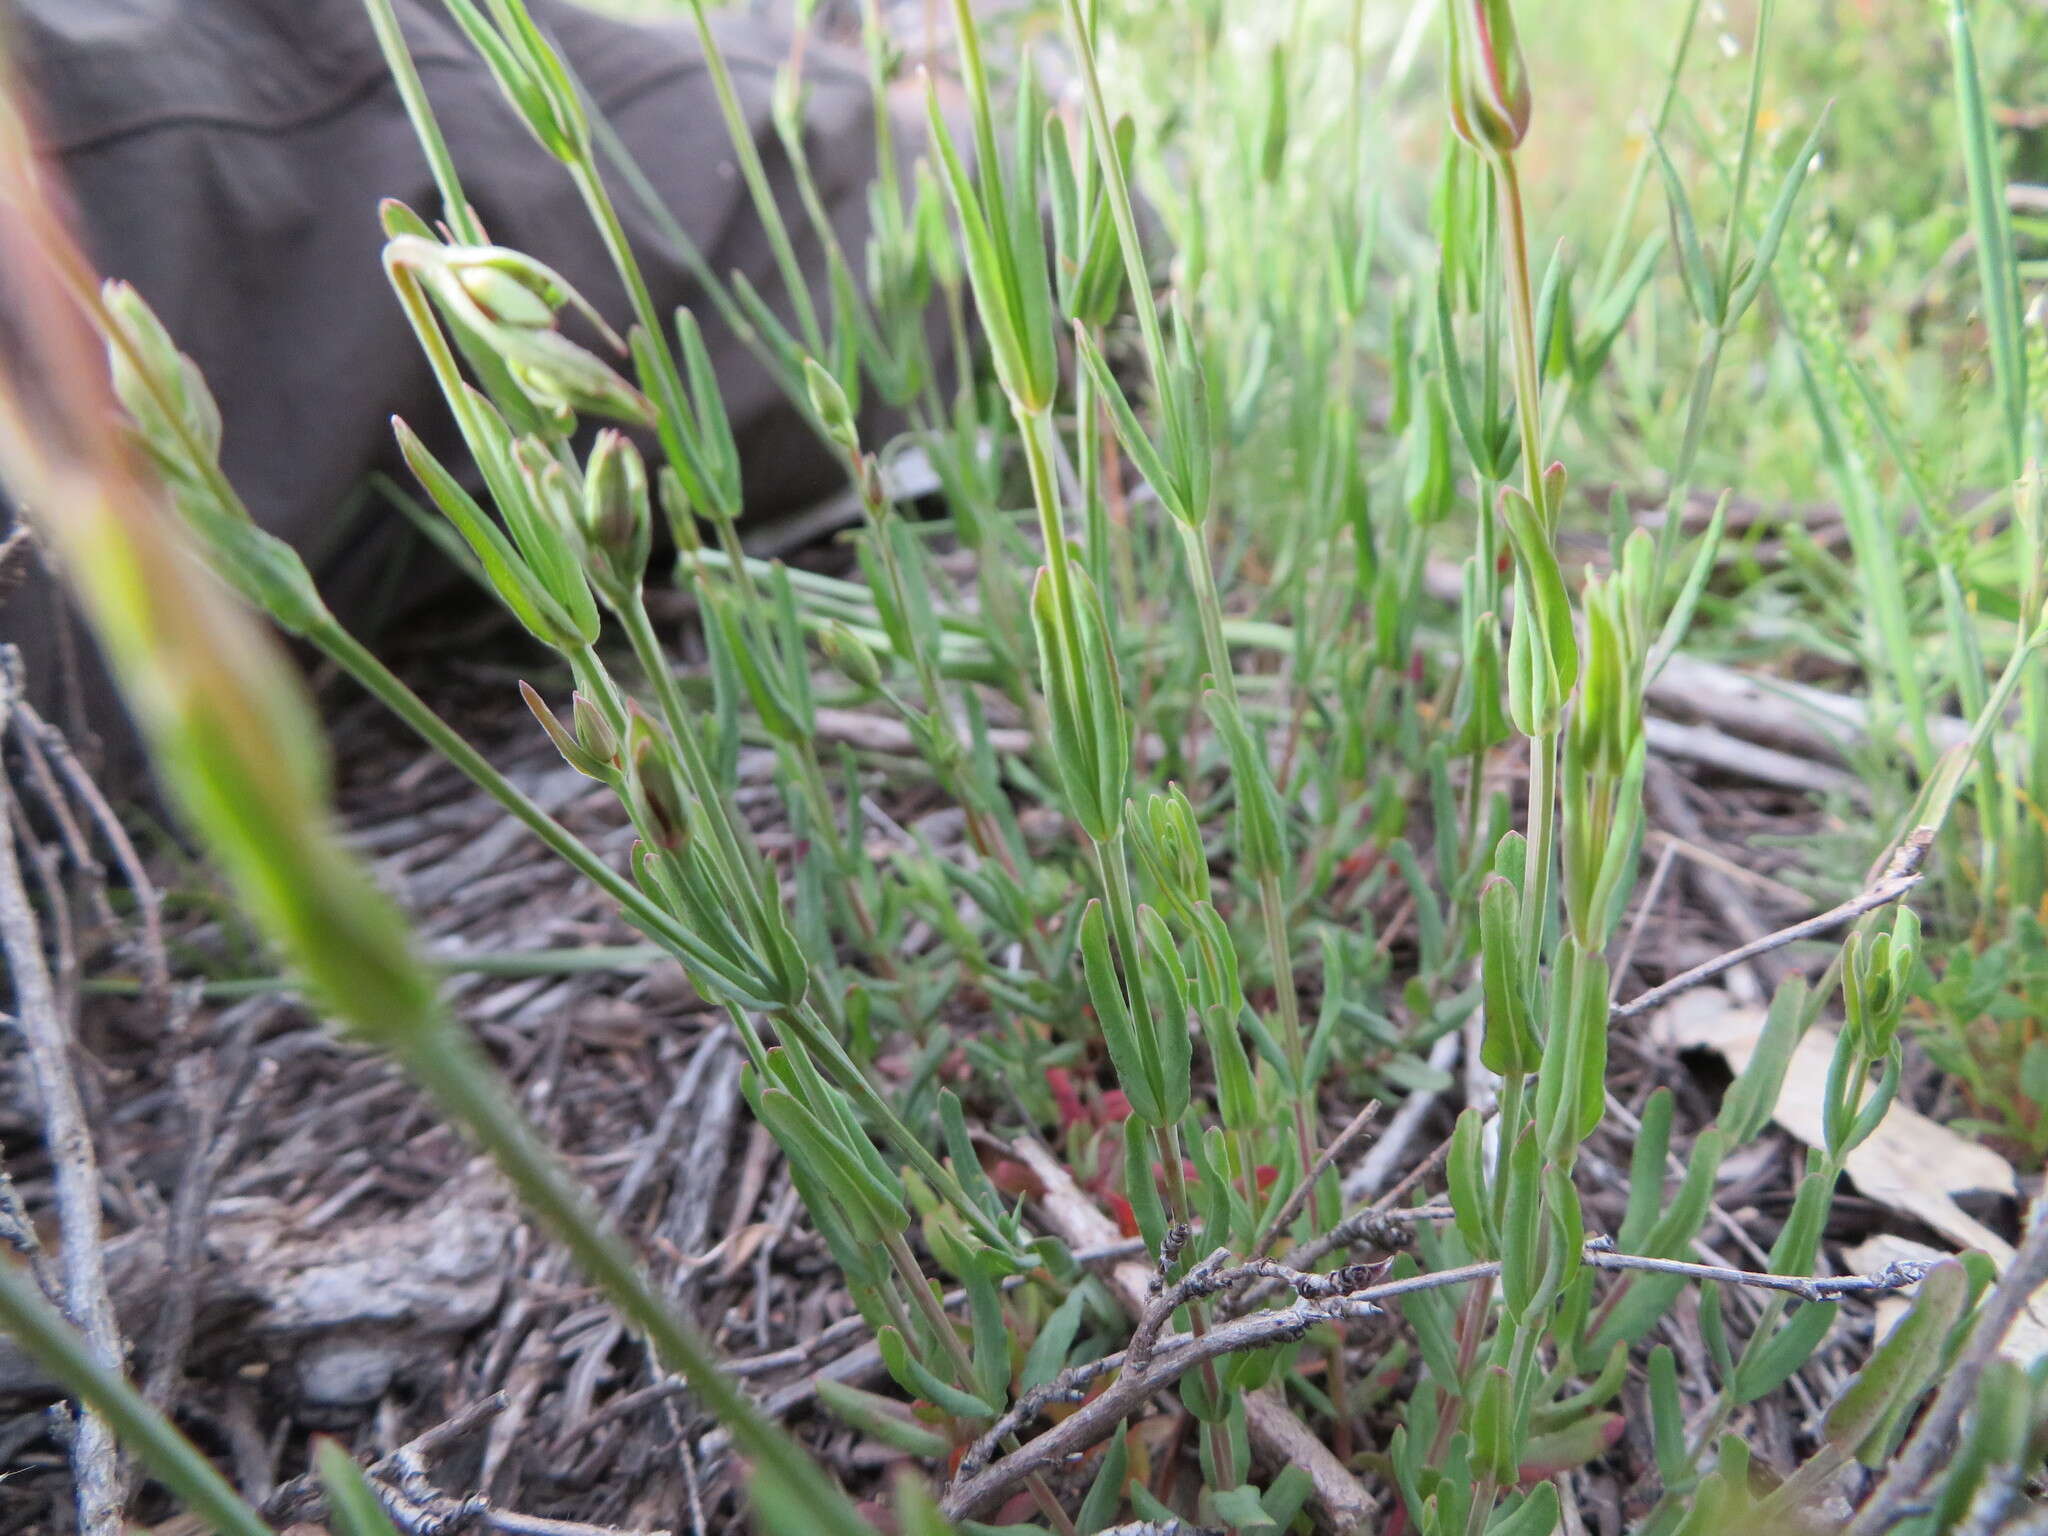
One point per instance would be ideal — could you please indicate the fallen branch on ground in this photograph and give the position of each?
(81, 1253)
(1150, 1365)
(1899, 878)
(1339, 1501)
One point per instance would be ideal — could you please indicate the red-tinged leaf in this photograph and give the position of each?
(1126, 1218)
(1061, 1084)
(1014, 1178)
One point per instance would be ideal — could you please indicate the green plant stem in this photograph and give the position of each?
(1035, 428)
(1272, 905)
(1536, 873)
(355, 659)
(756, 178)
(1116, 884)
(1221, 1453)
(426, 128)
(1096, 535)
(941, 1326)
(1201, 571)
(1528, 412)
(1273, 912)
(1522, 332)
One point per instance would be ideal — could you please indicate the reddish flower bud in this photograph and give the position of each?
(1485, 75)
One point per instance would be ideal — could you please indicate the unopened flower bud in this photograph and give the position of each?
(651, 782)
(1168, 836)
(506, 302)
(159, 386)
(1485, 76)
(510, 289)
(618, 529)
(830, 406)
(873, 493)
(851, 657)
(572, 750)
(594, 733)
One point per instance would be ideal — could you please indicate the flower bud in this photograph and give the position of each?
(851, 657)
(573, 752)
(510, 289)
(505, 303)
(1168, 835)
(154, 379)
(594, 733)
(830, 406)
(1487, 81)
(874, 493)
(651, 790)
(618, 529)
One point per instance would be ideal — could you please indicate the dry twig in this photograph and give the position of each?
(1150, 1365)
(218, 1102)
(50, 742)
(1340, 1501)
(1899, 877)
(1340, 1143)
(81, 1258)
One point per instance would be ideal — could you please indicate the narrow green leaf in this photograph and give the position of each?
(1700, 283)
(1767, 1364)
(882, 1418)
(1667, 1418)
(914, 1376)
(352, 1506)
(1774, 228)
(1132, 1052)
(1865, 1419)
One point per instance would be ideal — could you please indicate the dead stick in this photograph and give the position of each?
(1902, 875)
(1341, 1502)
(1894, 1276)
(1173, 1358)
(1278, 1221)
(148, 900)
(82, 1255)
